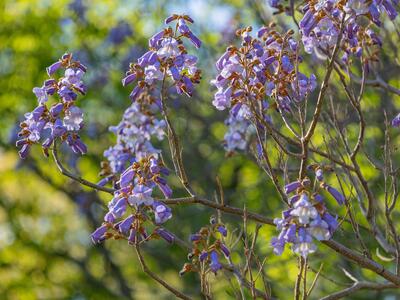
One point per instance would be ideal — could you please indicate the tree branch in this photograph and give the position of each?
(158, 279)
(359, 285)
(67, 173)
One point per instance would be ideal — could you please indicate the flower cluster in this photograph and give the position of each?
(134, 197)
(307, 217)
(63, 119)
(167, 58)
(134, 133)
(239, 129)
(322, 20)
(132, 228)
(137, 165)
(261, 67)
(207, 248)
(134, 161)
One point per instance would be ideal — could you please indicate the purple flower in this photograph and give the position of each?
(41, 118)
(132, 237)
(73, 77)
(194, 39)
(165, 234)
(162, 213)
(141, 194)
(99, 234)
(165, 189)
(153, 73)
(171, 18)
(293, 199)
(125, 225)
(134, 133)
(56, 109)
(396, 121)
(23, 153)
(195, 237)
(320, 229)
(221, 229)
(308, 22)
(319, 174)
(335, 194)
(40, 94)
(239, 128)
(155, 39)
(117, 207)
(203, 255)
(215, 265)
(57, 128)
(128, 79)
(135, 93)
(109, 217)
(182, 27)
(169, 47)
(154, 167)
(73, 118)
(304, 244)
(287, 66)
(304, 210)
(149, 58)
(222, 99)
(279, 223)
(76, 145)
(225, 250)
(291, 187)
(167, 57)
(53, 68)
(278, 244)
(331, 221)
(290, 234)
(126, 177)
(318, 198)
(389, 8)
(67, 94)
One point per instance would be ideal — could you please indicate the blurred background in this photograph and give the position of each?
(46, 219)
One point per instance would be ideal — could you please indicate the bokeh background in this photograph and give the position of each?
(46, 220)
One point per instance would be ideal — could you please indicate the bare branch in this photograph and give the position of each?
(157, 278)
(360, 285)
(67, 173)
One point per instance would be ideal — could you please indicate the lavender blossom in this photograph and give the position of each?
(162, 212)
(165, 234)
(99, 234)
(320, 25)
(304, 244)
(291, 187)
(335, 193)
(307, 217)
(63, 118)
(215, 265)
(238, 85)
(396, 121)
(320, 229)
(304, 210)
(167, 57)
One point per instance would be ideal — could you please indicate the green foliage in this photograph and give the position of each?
(45, 220)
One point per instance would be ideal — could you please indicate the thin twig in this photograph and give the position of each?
(67, 173)
(158, 279)
(360, 285)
